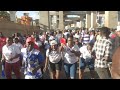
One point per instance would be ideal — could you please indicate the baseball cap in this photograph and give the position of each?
(63, 41)
(53, 42)
(30, 39)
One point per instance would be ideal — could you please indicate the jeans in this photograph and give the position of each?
(83, 63)
(70, 70)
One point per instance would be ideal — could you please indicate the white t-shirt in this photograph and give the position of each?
(70, 57)
(9, 52)
(51, 37)
(45, 42)
(54, 56)
(85, 53)
(18, 45)
(77, 36)
(65, 34)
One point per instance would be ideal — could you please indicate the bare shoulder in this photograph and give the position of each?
(117, 52)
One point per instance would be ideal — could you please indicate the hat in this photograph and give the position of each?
(53, 42)
(30, 39)
(118, 28)
(63, 41)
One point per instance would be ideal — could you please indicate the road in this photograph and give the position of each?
(86, 75)
(47, 75)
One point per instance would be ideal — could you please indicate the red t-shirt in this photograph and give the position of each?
(2, 42)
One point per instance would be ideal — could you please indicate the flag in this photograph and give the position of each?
(3, 71)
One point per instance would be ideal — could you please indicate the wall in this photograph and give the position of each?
(111, 19)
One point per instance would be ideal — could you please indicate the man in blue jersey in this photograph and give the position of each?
(32, 60)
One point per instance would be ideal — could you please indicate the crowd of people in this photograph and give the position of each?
(32, 55)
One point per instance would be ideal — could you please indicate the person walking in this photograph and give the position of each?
(33, 60)
(54, 60)
(103, 52)
(10, 55)
(70, 54)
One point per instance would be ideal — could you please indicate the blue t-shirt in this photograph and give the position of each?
(32, 60)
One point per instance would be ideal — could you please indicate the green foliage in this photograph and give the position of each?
(4, 15)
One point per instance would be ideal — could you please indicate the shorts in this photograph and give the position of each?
(55, 66)
(83, 63)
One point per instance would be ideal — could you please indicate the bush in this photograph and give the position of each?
(4, 15)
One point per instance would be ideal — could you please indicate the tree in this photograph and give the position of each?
(4, 15)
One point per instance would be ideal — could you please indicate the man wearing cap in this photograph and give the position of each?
(35, 45)
(32, 60)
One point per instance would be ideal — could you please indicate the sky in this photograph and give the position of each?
(33, 14)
